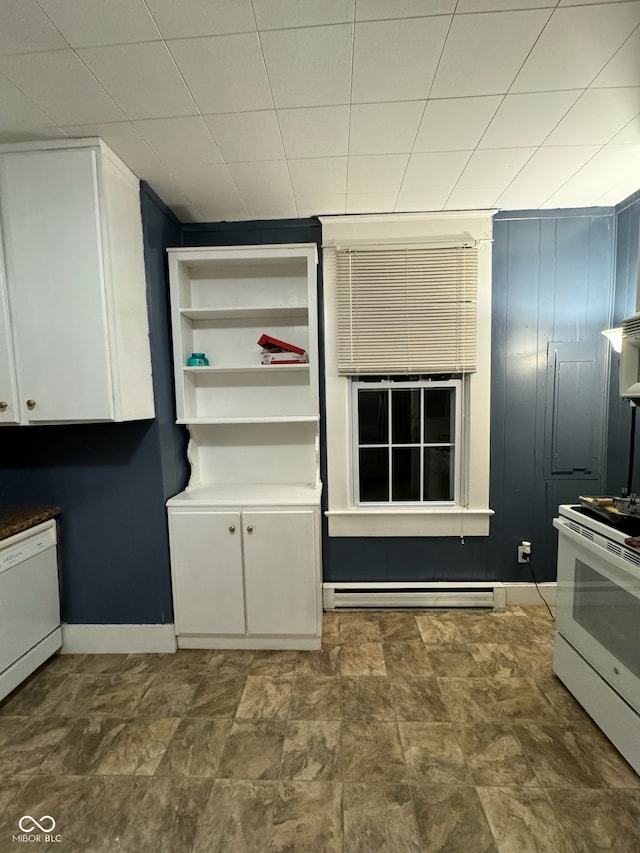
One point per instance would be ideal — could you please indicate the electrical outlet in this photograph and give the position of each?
(524, 550)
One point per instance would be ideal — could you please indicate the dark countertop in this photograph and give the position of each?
(15, 519)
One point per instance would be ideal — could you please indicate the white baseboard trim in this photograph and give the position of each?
(526, 593)
(117, 639)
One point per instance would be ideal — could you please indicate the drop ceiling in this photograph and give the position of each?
(262, 109)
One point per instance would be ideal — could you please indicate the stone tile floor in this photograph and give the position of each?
(409, 731)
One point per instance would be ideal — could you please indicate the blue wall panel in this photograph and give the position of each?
(110, 479)
(552, 281)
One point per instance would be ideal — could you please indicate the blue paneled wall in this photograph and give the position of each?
(552, 294)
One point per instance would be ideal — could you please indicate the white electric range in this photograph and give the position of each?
(597, 644)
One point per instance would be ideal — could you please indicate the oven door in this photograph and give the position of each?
(598, 607)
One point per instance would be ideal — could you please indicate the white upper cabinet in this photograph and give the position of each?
(75, 282)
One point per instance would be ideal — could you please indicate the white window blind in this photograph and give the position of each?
(407, 310)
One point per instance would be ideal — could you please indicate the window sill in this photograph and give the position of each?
(407, 521)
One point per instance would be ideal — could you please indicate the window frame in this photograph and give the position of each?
(344, 517)
(396, 384)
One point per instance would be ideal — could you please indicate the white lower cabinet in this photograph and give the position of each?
(246, 578)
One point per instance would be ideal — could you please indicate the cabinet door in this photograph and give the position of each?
(9, 411)
(55, 276)
(280, 572)
(206, 566)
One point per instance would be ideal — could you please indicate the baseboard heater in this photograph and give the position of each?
(436, 594)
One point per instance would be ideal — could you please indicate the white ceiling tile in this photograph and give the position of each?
(388, 128)
(61, 86)
(629, 135)
(323, 204)
(493, 168)
(379, 173)
(409, 200)
(543, 174)
(597, 116)
(370, 202)
(309, 66)
(484, 52)
(585, 2)
(473, 6)
(396, 60)
(141, 78)
(315, 132)
(242, 137)
(31, 135)
(482, 198)
(319, 175)
(281, 14)
(455, 124)
(525, 120)
(174, 139)
(611, 164)
(264, 186)
(434, 171)
(212, 190)
(576, 45)
(377, 10)
(18, 112)
(25, 28)
(126, 142)
(87, 23)
(225, 74)
(623, 69)
(202, 17)
(620, 190)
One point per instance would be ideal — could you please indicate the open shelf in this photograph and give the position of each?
(235, 312)
(247, 368)
(280, 419)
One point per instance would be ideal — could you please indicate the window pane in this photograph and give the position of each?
(373, 417)
(374, 474)
(438, 473)
(405, 416)
(438, 415)
(405, 477)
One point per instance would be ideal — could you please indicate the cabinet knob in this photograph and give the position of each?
(3, 406)
(249, 529)
(232, 529)
(31, 404)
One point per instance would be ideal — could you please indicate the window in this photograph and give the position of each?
(407, 447)
(407, 333)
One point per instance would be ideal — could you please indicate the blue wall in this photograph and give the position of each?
(624, 305)
(552, 280)
(111, 480)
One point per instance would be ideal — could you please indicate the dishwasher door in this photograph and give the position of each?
(29, 595)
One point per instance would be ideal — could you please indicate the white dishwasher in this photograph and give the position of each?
(29, 603)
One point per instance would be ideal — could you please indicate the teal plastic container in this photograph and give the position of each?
(197, 359)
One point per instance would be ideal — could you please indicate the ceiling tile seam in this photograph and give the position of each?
(32, 102)
(572, 176)
(515, 77)
(531, 49)
(588, 87)
(198, 113)
(426, 101)
(350, 104)
(54, 25)
(273, 101)
(611, 58)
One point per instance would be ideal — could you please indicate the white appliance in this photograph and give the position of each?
(597, 647)
(29, 603)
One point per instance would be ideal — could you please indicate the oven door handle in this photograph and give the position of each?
(625, 567)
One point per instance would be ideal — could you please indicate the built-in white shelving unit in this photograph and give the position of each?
(245, 534)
